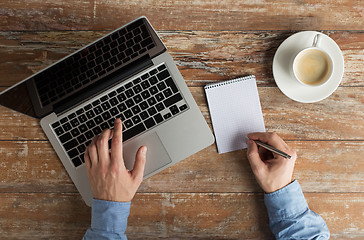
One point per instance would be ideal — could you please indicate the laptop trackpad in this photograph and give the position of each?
(157, 156)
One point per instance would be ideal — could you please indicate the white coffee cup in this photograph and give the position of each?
(312, 66)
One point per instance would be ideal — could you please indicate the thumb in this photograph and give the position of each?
(139, 165)
(253, 156)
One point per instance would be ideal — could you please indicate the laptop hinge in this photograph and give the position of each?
(102, 84)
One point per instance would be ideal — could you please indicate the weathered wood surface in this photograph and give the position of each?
(33, 166)
(339, 117)
(185, 15)
(210, 41)
(171, 215)
(202, 56)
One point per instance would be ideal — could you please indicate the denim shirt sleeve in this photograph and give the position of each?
(290, 217)
(109, 220)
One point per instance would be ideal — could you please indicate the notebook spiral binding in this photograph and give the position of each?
(219, 84)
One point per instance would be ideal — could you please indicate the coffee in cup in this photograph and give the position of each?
(312, 66)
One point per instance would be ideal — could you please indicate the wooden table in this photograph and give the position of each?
(208, 195)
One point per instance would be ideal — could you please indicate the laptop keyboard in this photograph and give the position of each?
(91, 63)
(141, 104)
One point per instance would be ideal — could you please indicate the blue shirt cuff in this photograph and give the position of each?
(110, 216)
(286, 202)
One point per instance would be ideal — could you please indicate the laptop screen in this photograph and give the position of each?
(69, 79)
(18, 99)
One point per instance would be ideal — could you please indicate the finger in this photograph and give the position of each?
(117, 142)
(139, 165)
(270, 138)
(255, 161)
(92, 152)
(103, 146)
(87, 159)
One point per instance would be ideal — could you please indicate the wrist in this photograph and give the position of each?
(278, 187)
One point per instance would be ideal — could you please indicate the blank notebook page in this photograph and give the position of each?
(235, 111)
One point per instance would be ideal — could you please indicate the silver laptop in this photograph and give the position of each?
(128, 75)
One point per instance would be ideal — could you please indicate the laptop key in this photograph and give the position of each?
(104, 126)
(104, 98)
(65, 137)
(82, 128)
(90, 124)
(151, 101)
(153, 90)
(163, 75)
(167, 93)
(137, 98)
(149, 122)
(76, 161)
(144, 115)
(98, 110)
(98, 120)
(136, 109)
(81, 139)
(159, 107)
(80, 111)
(174, 109)
(106, 116)
(158, 118)
(128, 114)
(73, 153)
(121, 107)
(168, 115)
(153, 80)
(90, 114)
(145, 94)
(128, 123)
(105, 106)
(67, 127)
(75, 132)
(59, 131)
(129, 93)
(170, 83)
(111, 122)
(161, 86)
(131, 132)
(160, 68)
(96, 130)
(183, 107)
(82, 118)
(71, 144)
(172, 100)
(130, 103)
(144, 105)
(81, 148)
(114, 111)
(152, 111)
(56, 124)
(136, 119)
(113, 101)
(89, 135)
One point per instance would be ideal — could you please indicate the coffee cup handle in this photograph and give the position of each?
(316, 40)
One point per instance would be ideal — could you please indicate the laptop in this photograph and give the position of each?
(126, 74)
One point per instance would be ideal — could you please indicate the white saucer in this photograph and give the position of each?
(291, 87)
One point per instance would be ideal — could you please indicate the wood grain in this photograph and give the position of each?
(208, 195)
(330, 119)
(201, 56)
(171, 215)
(32, 166)
(182, 15)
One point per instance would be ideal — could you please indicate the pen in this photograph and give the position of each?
(273, 149)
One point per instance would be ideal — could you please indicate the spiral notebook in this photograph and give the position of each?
(235, 111)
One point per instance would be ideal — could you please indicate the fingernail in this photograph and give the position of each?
(144, 150)
(117, 120)
(249, 142)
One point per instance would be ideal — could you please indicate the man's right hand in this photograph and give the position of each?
(271, 171)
